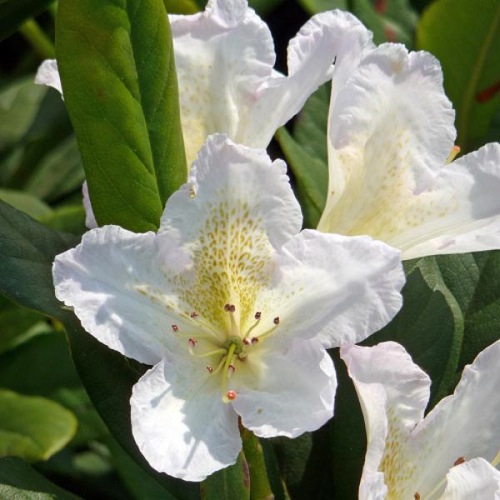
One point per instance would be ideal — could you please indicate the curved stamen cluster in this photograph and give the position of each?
(230, 350)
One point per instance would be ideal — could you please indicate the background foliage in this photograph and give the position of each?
(64, 412)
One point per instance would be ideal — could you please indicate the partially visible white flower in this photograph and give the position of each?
(452, 452)
(390, 142)
(233, 307)
(225, 68)
(48, 74)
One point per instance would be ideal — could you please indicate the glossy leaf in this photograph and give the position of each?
(229, 483)
(25, 202)
(118, 75)
(27, 250)
(14, 12)
(465, 37)
(181, 6)
(474, 281)
(33, 428)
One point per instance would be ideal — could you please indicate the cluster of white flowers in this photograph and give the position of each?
(234, 306)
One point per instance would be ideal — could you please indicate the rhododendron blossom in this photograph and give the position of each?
(390, 149)
(233, 306)
(451, 454)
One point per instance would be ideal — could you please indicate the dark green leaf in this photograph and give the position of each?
(14, 12)
(18, 481)
(27, 250)
(465, 37)
(33, 428)
(25, 202)
(474, 281)
(19, 102)
(117, 69)
(228, 484)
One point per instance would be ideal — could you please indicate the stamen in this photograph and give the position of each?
(210, 369)
(194, 315)
(458, 461)
(416, 496)
(192, 192)
(192, 341)
(453, 154)
(175, 328)
(276, 320)
(230, 396)
(257, 316)
(205, 354)
(254, 340)
(247, 341)
(231, 369)
(225, 371)
(230, 308)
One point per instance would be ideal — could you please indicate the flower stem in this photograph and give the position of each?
(260, 488)
(40, 42)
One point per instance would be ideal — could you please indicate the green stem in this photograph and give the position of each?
(260, 488)
(40, 42)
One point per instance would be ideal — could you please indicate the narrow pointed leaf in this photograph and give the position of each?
(118, 76)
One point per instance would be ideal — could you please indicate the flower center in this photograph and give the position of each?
(227, 352)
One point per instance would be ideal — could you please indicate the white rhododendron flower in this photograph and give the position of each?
(225, 68)
(390, 143)
(232, 305)
(451, 453)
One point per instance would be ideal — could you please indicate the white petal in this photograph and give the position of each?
(222, 55)
(226, 221)
(48, 74)
(325, 37)
(353, 41)
(225, 58)
(90, 220)
(334, 288)
(372, 487)
(180, 423)
(467, 194)
(475, 478)
(288, 388)
(393, 393)
(465, 424)
(383, 152)
(113, 281)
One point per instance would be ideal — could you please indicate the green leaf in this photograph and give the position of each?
(229, 483)
(181, 6)
(19, 102)
(465, 37)
(18, 481)
(17, 325)
(138, 482)
(14, 12)
(117, 69)
(25, 202)
(33, 428)
(27, 250)
(474, 281)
